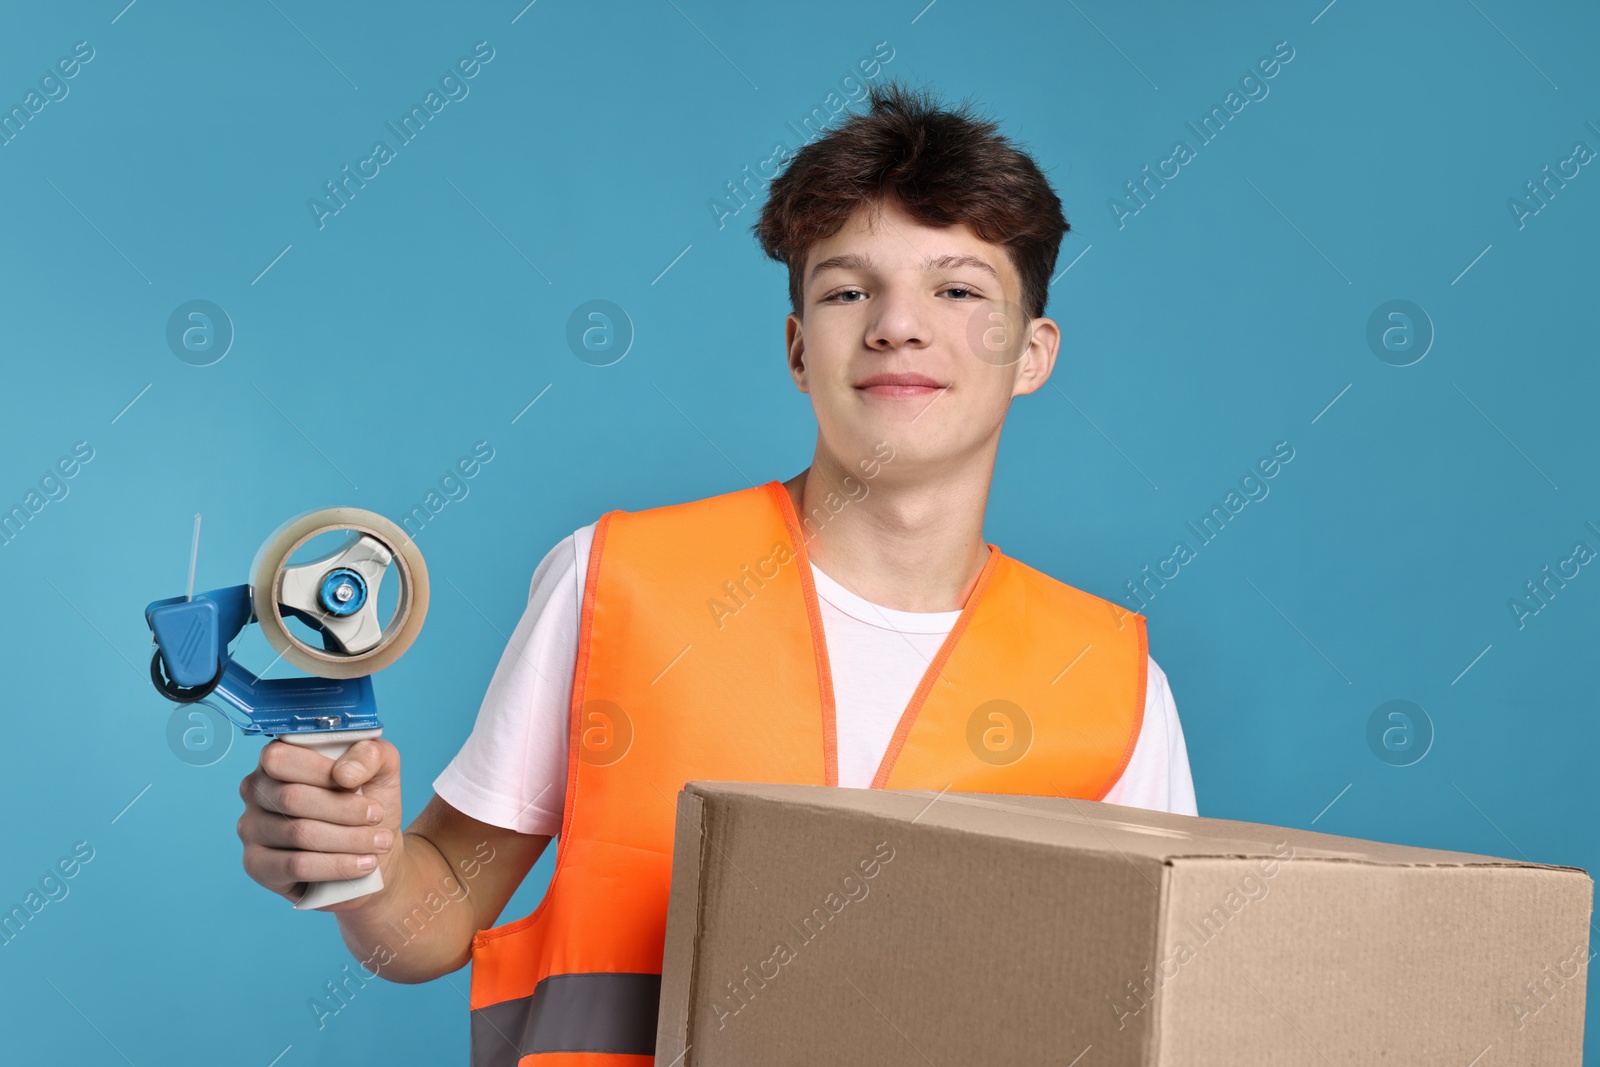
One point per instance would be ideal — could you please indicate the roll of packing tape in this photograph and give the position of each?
(353, 571)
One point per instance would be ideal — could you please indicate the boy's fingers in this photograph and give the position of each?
(296, 763)
(313, 835)
(305, 822)
(374, 761)
(282, 868)
(296, 800)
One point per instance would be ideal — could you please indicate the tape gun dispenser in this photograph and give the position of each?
(336, 596)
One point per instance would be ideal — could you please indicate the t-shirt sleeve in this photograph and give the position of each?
(512, 769)
(1157, 776)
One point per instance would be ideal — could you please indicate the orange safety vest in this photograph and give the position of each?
(701, 656)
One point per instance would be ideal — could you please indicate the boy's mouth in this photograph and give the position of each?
(899, 384)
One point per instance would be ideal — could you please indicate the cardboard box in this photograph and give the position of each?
(815, 925)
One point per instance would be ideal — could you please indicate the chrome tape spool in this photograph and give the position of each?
(340, 590)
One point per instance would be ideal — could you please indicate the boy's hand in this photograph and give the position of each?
(303, 822)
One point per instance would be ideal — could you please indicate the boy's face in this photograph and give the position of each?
(889, 295)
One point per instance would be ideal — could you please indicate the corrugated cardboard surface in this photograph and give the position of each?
(1354, 963)
(810, 924)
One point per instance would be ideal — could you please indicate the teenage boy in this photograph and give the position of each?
(849, 626)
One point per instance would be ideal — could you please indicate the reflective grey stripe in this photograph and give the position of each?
(603, 1012)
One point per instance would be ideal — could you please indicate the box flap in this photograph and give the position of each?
(1085, 824)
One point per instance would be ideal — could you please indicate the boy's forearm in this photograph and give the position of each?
(418, 928)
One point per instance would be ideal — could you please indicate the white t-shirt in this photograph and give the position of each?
(512, 770)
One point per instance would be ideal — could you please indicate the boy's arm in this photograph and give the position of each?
(453, 878)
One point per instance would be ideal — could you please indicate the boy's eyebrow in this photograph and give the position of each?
(857, 261)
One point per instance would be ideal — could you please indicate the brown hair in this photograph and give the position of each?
(943, 167)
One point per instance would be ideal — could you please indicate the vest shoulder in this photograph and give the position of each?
(734, 522)
(1070, 598)
(691, 512)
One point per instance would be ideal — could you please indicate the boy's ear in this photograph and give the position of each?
(796, 354)
(1038, 362)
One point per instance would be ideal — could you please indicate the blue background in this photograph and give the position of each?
(371, 353)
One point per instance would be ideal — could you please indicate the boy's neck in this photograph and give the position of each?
(907, 545)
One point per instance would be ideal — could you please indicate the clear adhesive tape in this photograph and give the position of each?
(402, 629)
